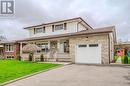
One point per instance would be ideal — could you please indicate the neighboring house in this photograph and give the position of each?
(71, 40)
(2, 40)
(9, 50)
(122, 45)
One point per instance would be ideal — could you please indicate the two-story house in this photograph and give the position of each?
(71, 40)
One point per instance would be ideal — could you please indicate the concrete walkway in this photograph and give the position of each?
(63, 63)
(80, 75)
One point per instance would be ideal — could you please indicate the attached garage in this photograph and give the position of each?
(94, 47)
(88, 53)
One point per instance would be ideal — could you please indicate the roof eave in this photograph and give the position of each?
(62, 36)
(60, 21)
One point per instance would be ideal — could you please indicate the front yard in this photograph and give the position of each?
(12, 69)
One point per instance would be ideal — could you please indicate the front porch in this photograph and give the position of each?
(1, 52)
(53, 50)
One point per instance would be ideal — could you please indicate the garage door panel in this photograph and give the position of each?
(89, 54)
(89, 61)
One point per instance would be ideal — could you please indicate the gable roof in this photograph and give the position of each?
(84, 32)
(50, 23)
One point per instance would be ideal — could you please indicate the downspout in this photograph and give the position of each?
(109, 47)
(3, 51)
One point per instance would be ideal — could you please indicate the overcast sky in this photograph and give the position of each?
(97, 13)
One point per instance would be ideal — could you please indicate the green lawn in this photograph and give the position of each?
(12, 69)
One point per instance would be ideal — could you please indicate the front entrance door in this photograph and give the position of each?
(64, 46)
(53, 44)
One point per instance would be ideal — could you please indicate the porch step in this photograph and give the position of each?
(63, 57)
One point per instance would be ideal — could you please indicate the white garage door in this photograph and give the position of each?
(88, 53)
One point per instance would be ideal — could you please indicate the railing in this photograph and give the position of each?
(47, 57)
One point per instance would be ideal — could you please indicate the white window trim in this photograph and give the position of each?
(7, 49)
(56, 29)
(39, 28)
(59, 29)
(47, 45)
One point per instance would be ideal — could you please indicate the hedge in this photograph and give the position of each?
(124, 59)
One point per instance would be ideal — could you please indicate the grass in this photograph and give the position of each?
(12, 69)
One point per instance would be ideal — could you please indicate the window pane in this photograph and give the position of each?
(6, 47)
(9, 47)
(59, 27)
(93, 45)
(39, 30)
(44, 47)
(83, 45)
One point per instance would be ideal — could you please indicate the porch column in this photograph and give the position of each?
(21, 48)
(58, 45)
(48, 44)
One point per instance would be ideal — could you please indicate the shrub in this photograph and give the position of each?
(122, 59)
(125, 60)
(42, 57)
(18, 57)
(115, 58)
(128, 60)
(30, 56)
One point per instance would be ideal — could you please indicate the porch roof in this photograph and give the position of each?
(8, 42)
(1, 46)
(84, 32)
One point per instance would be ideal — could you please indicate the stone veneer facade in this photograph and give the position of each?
(105, 39)
(91, 39)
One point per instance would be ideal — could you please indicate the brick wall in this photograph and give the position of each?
(14, 53)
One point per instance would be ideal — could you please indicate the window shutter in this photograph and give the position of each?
(52, 28)
(34, 30)
(65, 26)
(44, 30)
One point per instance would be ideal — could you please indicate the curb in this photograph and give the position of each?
(112, 65)
(26, 76)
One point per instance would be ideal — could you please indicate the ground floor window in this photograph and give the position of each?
(10, 57)
(44, 47)
(61, 45)
(9, 48)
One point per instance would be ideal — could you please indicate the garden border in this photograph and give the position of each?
(26, 76)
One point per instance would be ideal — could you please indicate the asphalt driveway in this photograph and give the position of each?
(80, 75)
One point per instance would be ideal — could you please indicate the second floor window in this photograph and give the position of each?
(40, 30)
(59, 27)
